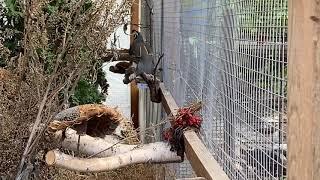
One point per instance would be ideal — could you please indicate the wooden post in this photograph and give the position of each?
(304, 90)
(135, 19)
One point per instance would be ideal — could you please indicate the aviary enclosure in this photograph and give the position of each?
(232, 56)
(253, 65)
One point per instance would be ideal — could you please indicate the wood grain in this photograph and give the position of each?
(304, 91)
(135, 19)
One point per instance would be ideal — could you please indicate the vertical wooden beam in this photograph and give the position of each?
(135, 19)
(304, 90)
(134, 104)
(135, 15)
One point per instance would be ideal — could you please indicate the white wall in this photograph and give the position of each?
(118, 93)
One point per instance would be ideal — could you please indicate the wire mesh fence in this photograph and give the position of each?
(232, 56)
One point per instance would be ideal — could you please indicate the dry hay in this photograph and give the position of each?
(135, 172)
(15, 118)
(8, 88)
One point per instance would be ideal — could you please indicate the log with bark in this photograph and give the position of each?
(116, 155)
(102, 147)
(108, 149)
(150, 153)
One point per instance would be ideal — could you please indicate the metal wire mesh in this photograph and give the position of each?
(231, 55)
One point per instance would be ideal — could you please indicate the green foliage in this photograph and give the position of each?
(56, 6)
(11, 16)
(11, 29)
(102, 81)
(87, 5)
(265, 21)
(13, 8)
(47, 57)
(86, 90)
(61, 5)
(2, 62)
(261, 14)
(86, 93)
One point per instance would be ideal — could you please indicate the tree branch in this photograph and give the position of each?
(91, 145)
(150, 153)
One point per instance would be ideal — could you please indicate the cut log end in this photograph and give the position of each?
(50, 158)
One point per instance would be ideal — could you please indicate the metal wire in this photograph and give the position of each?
(232, 55)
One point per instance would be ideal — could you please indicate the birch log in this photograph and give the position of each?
(92, 145)
(150, 153)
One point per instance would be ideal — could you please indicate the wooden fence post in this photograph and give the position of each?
(304, 90)
(135, 19)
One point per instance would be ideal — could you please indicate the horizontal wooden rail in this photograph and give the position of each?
(200, 158)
